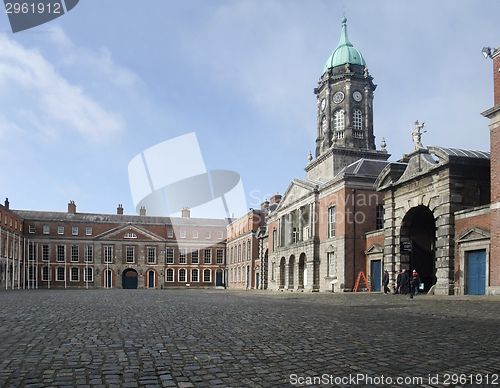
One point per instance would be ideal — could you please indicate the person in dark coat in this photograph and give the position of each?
(385, 282)
(405, 282)
(398, 282)
(414, 283)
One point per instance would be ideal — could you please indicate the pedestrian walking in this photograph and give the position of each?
(398, 282)
(385, 282)
(405, 282)
(414, 283)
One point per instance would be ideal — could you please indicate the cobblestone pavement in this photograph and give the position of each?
(225, 338)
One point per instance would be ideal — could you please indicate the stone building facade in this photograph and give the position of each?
(316, 236)
(11, 248)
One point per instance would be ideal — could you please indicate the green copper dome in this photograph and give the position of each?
(345, 52)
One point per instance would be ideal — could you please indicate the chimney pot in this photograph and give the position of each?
(143, 211)
(119, 209)
(7, 203)
(186, 213)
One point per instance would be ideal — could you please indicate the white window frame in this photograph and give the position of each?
(127, 250)
(170, 233)
(60, 229)
(74, 230)
(210, 274)
(89, 253)
(195, 234)
(197, 278)
(182, 271)
(71, 271)
(151, 258)
(331, 263)
(220, 235)
(46, 229)
(331, 221)
(75, 258)
(182, 256)
(183, 234)
(195, 253)
(64, 254)
(219, 256)
(167, 271)
(88, 231)
(59, 271)
(207, 259)
(170, 260)
(32, 229)
(88, 274)
(108, 254)
(208, 235)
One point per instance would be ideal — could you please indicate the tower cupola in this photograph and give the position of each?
(345, 52)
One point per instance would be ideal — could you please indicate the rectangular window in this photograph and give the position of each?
(88, 231)
(220, 235)
(170, 256)
(31, 252)
(89, 274)
(331, 221)
(108, 254)
(45, 253)
(74, 230)
(61, 253)
(74, 274)
(331, 264)
(207, 275)
(195, 234)
(75, 253)
(151, 255)
(220, 256)
(208, 256)
(89, 253)
(60, 274)
(32, 228)
(182, 255)
(208, 235)
(275, 235)
(170, 233)
(194, 256)
(130, 255)
(194, 275)
(60, 229)
(380, 216)
(31, 273)
(45, 274)
(46, 229)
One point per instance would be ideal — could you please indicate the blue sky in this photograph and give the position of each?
(81, 96)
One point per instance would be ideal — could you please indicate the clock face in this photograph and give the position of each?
(323, 104)
(338, 97)
(357, 96)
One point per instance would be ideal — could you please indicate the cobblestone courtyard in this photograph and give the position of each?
(224, 338)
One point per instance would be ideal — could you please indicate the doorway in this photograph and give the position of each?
(129, 279)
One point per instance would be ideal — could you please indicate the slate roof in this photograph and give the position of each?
(117, 218)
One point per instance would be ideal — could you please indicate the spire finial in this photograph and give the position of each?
(310, 157)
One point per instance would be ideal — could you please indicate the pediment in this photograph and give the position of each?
(129, 233)
(473, 234)
(374, 248)
(298, 189)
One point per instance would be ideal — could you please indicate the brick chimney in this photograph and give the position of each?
(496, 74)
(6, 203)
(264, 204)
(276, 198)
(142, 211)
(71, 207)
(186, 213)
(119, 209)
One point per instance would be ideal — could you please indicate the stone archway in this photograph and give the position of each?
(282, 272)
(291, 270)
(418, 242)
(129, 279)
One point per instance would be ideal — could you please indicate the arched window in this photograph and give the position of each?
(338, 120)
(239, 253)
(357, 122)
(207, 275)
(231, 255)
(169, 275)
(323, 124)
(182, 275)
(194, 275)
(249, 255)
(130, 235)
(244, 252)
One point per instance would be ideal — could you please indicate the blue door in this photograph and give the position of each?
(248, 276)
(476, 272)
(376, 275)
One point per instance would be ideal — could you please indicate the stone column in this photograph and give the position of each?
(301, 223)
(290, 222)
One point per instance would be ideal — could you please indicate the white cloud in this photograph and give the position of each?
(25, 75)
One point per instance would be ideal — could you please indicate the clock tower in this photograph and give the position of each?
(345, 112)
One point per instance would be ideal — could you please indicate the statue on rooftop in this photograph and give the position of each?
(417, 134)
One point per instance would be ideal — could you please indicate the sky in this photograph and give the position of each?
(84, 94)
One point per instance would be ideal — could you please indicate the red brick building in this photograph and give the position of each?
(61, 250)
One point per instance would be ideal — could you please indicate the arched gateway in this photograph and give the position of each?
(129, 279)
(418, 236)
